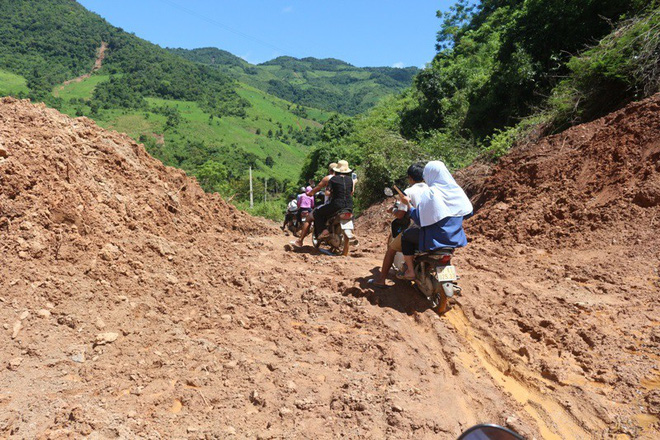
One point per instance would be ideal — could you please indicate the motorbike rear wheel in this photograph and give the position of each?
(440, 302)
(342, 248)
(430, 288)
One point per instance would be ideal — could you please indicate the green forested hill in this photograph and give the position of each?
(328, 84)
(187, 114)
(506, 71)
(51, 41)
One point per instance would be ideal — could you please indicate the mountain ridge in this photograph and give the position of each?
(326, 83)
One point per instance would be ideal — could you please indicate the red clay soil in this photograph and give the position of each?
(134, 305)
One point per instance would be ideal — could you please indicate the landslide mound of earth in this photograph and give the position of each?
(594, 182)
(133, 305)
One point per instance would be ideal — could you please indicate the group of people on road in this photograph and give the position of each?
(427, 216)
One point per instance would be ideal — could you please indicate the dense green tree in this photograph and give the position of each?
(212, 176)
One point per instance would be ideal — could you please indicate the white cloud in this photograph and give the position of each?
(287, 10)
(398, 65)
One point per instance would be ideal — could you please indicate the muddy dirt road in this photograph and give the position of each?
(133, 305)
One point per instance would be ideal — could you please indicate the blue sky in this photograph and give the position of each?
(361, 32)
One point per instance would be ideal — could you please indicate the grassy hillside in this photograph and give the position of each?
(329, 84)
(187, 114)
(193, 136)
(12, 84)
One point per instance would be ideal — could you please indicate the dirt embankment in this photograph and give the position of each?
(133, 305)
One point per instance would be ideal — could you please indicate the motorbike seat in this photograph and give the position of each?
(338, 213)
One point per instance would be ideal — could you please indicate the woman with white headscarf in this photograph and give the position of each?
(439, 214)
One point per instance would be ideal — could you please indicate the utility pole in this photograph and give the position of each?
(251, 198)
(265, 189)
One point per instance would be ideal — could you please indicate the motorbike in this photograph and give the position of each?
(341, 236)
(435, 277)
(489, 432)
(294, 226)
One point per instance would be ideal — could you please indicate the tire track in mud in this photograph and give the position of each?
(465, 381)
(468, 369)
(552, 419)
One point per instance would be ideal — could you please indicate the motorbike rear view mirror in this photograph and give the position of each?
(489, 432)
(388, 192)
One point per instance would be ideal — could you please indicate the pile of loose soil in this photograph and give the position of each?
(595, 182)
(133, 305)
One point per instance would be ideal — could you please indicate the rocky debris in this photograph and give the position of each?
(16, 329)
(14, 363)
(256, 399)
(106, 338)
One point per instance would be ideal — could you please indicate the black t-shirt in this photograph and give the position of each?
(342, 188)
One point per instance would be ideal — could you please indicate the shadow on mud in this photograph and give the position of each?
(307, 249)
(401, 296)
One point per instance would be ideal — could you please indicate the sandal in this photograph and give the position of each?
(295, 244)
(372, 282)
(402, 276)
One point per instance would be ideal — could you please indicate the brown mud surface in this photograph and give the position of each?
(133, 305)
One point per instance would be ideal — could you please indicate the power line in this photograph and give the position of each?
(224, 26)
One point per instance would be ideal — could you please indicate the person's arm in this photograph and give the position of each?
(298, 199)
(414, 215)
(322, 184)
(405, 200)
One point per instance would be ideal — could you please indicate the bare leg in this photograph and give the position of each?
(387, 265)
(410, 271)
(305, 230)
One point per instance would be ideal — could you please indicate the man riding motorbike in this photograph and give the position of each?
(341, 188)
(401, 222)
(439, 213)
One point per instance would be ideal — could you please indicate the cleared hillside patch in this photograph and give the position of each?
(11, 84)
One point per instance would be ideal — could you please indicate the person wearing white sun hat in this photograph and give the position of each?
(341, 187)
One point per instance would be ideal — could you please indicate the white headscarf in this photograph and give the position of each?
(443, 198)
